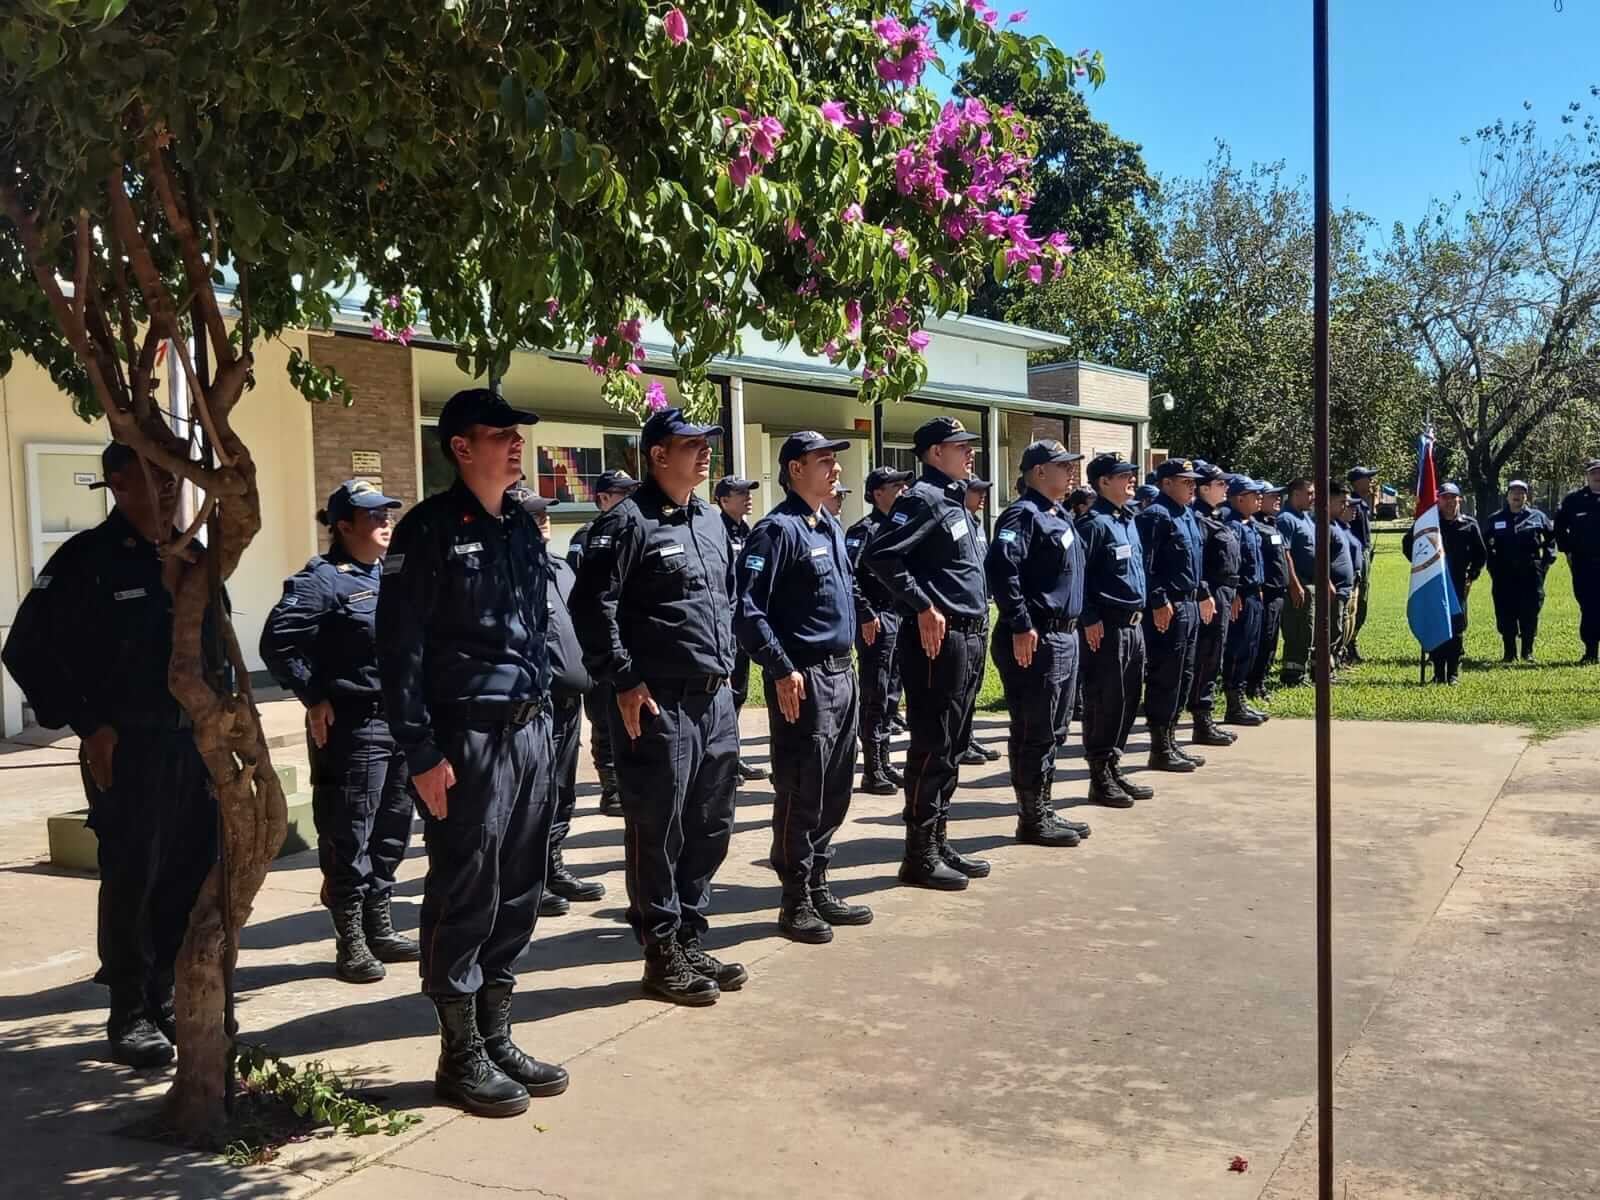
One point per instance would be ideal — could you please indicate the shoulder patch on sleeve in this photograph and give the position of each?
(755, 564)
(393, 564)
(599, 541)
(42, 582)
(899, 518)
(1006, 535)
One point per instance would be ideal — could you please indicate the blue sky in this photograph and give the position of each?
(1409, 77)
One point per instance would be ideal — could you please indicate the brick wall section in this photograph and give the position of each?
(1108, 391)
(380, 417)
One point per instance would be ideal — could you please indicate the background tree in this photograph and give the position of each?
(1502, 294)
(526, 175)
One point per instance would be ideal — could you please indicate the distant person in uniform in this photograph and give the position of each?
(611, 489)
(1344, 574)
(653, 614)
(1578, 537)
(1222, 557)
(977, 496)
(1522, 546)
(1296, 524)
(569, 684)
(795, 617)
(1244, 633)
(1274, 589)
(1145, 495)
(465, 665)
(736, 498)
(1079, 500)
(1363, 483)
(1035, 570)
(90, 648)
(927, 557)
(877, 636)
(835, 501)
(1464, 557)
(320, 642)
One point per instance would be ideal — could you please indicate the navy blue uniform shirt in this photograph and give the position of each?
(1299, 530)
(928, 554)
(1360, 524)
(872, 596)
(1274, 555)
(652, 597)
(1578, 525)
(1035, 563)
(795, 605)
(1223, 554)
(1252, 571)
(1522, 545)
(1113, 561)
(568, 678)
(1174, 552)
(1343, 553)
(738, 534)
(576, 543)
(461, 616)
(320, 640)
(1464, 551)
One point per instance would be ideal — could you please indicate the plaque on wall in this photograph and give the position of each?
(366, 462)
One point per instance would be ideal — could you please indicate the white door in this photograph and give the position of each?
(61, 501)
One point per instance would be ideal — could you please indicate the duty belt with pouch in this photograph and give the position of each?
(1056, 624)
(1121, 617)
(834, 664)
(495, 714)
(965, 624)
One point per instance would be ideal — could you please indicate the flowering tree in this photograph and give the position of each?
(526, 175)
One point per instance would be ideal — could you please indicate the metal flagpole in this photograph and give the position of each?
(1324, 666)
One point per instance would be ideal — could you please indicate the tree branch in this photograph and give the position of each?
(176, 547)
(80, 276)
(188, 243)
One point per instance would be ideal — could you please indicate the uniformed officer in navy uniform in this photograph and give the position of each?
(835, 501)
(89, 648)
(465, 665)
(653, 615)
(570, 682)
(611, 489)
(1079, 500)
(877, 636)
(736, 498)
(1111, 629)
(1178, 602)
(320, 642)
(1035, 572)
(1244, 631)
(977, 496)
(927, 556)
(1296, 523)
(1578, 537)
(1464, 557)
(795, 617)
(1274, 589)
(1145, 495)
(1363, 483)
(1221, 573)
(1522, 545)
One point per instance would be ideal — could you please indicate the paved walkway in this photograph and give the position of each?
(1118, 1020)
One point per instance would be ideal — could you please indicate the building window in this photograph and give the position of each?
(565, 472)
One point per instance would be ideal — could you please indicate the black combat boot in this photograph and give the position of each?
(1208, 733)
(377, 923)
(560, 880)
(972, 868)
(1105, 789)
(799, 921)
(494, 1023)
(1510, 653)
(353, 960)
(834, 910)
(1037, 825)
(1527, 649)
(466, 1076)
(552, 905)
(890, 771)
(135, 1040)
(160, 1005)
(1139, 791)
(1591, 655)
(875, 780)
(1238, 712)
(1164, 754)
(610, 795)
(1199, 760)
(1081, 828)
(922, 866)
(972, 756)
(751, 773)
(729, 977)
(667, 974)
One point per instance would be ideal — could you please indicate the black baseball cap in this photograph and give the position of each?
(1208, 472)
(979, 485)
(1177, 468)
(1102, 465)
(1047, 450)
(114, 458)
(796, 445)
(1449, 489)
(357, 493)
(1080, 494)
(940, 431)
(839, 489)
(615, 481)
(1239, 484)
(479, 406)
(1592, 465)
(729, 484)
(1268, 488)
(671, 423)
(531, 500)
(883, 476)
(1146, 491)
(1355, 473)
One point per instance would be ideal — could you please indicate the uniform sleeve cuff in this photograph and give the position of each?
(1158, 598)
(626, 680)
(424, 758)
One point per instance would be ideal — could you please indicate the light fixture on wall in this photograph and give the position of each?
(1167, 401)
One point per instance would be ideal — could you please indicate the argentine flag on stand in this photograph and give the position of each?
(1432, 601)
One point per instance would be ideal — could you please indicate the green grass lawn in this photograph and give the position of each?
(1548, 696)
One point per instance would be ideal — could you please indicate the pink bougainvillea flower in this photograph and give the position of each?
(379, 333)
(831, 349)
(1035, 273)
(852, 316)
(898, 317)
(892, 116)
(551, 307)
(918, 341)
(851, 214)
(394, 301)
(833, 112)
(655, 396)
(677, 27)
(765, 134)
(632, 369)
(793, 232)
(741, 168)
(1017, 17)
(631, 329)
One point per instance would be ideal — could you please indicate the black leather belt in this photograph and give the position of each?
(694, 685)
(1057, 625)
(833, 664)
(1122, 618)
(495, 713)
(965, 624)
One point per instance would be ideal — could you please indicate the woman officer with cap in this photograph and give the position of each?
(319, 642)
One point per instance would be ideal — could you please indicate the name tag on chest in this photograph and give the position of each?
(1122, 552)
(958, 530)
(1277, 539)
(129, 594)
(1067, 538)
(671, 551)
(819, 552)
(1499, 524)
(467, 548)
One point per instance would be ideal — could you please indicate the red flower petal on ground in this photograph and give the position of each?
(1239, 1164)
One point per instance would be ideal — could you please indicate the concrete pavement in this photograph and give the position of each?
(1117, 1020)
